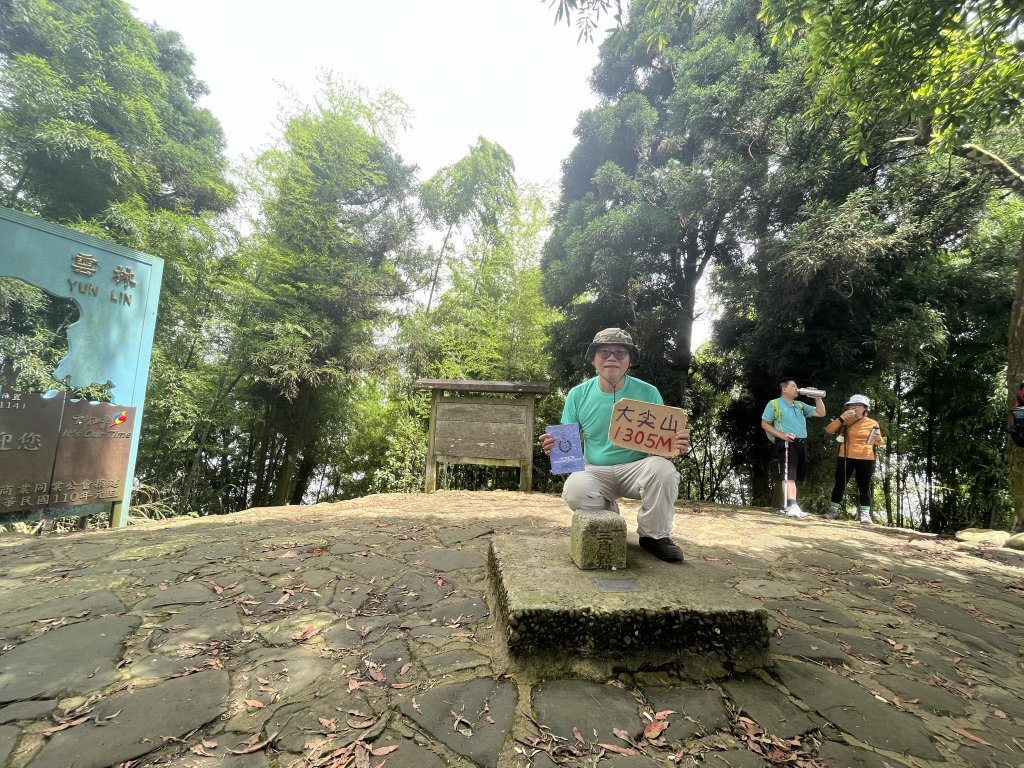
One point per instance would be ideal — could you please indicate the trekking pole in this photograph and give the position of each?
(785, 474)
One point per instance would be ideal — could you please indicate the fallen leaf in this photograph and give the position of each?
(330, 725)
(65, 726)
(969, 735)
(400, 686)
(405, 668)
(198, 750)
(654, 730)
(664, 714)
(360, 724)
(255, 747)
(1000, 714)
(376, 674)
(255, 703)
(578, 735)
(381, 751)
(209, 744)
(310, 631)
(618, 750)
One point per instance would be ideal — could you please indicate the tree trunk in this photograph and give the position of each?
(1014, 376)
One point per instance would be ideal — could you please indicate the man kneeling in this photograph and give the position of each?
(612, 472)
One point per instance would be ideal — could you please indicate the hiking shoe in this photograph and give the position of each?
(865, 518)
(663, 549)
(793, 510)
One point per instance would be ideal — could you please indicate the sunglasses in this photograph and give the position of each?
(617, 354)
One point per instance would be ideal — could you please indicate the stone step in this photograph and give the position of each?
(651, 615)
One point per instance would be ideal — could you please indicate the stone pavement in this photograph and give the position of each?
(358, 634)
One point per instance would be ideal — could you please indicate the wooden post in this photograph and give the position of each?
(430, 485)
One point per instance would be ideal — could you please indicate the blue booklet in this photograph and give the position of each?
(567, 455)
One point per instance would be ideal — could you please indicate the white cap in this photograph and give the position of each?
(859, 400)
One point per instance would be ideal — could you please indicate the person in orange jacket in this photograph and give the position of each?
(858, 437)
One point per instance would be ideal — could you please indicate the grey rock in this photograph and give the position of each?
(73, 608)
(8, 738)
(197, 624)
(733, 758)
(26, 710)
(844, 756)
(812, 612)
(802, 645)
(765, 588)
(694, 710)
(137, 722)
(960, 624)
(982, 536)
(414, 591)
(453, 661)
(357, 631)
(593, 708)
(444, 560)
(349, 596)
(598, 540)
(855, 710)
(768, 707)
(826, 560)
(409, 754)
(370, 566)
(44, 667)
(929, 697)
(466, 610)
(457, 535)
(183, 593)
(482, 740)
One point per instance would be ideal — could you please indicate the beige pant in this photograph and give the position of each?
(653, 480)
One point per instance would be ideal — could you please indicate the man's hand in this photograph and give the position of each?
(547, 442)
(682, 441)
(789, 437)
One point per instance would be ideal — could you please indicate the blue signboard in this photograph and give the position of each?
(116, 290)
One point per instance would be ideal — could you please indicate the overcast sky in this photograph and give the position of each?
(500, 69)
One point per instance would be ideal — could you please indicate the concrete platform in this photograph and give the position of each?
(650, 616)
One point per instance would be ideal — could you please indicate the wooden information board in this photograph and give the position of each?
(646, 427)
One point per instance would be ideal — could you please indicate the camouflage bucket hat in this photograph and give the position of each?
(613, 336)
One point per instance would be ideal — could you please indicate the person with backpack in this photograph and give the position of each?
(858, 438)
(785, 422)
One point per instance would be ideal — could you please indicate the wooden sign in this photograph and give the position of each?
(646, 427)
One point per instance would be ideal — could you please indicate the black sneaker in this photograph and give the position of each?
(663, 549)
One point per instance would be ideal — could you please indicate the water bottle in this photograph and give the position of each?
(810, 392)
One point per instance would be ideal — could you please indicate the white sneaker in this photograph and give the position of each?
(793, 510)
(865, 518)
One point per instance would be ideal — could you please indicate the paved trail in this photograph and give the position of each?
(358, 634)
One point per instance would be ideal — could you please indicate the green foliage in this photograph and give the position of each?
(948, 69)
(96, 110)
(658, 187)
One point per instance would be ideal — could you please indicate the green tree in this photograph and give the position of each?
(660, 185)
(332, 251)
(97, 110)
(474, 193)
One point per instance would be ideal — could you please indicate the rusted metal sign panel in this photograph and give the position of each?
(56, 452)
(29, 426)
(92, 453)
